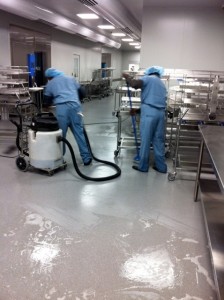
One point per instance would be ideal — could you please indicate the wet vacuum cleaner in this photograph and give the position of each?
(38, 144)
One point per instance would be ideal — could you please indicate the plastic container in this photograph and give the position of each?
(44, 150)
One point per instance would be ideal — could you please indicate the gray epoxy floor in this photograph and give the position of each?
(138, 236)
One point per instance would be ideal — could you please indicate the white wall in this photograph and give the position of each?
(5, 56)
(63, 48)
(130, 57)
(183, 38)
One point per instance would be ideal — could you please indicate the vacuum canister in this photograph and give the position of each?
(44, 150)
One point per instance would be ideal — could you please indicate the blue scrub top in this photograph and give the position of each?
(153, 91)
(63, 89)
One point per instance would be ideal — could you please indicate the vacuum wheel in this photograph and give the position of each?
(22, 164)
(171, 176)
(167, 154)
(50, 173)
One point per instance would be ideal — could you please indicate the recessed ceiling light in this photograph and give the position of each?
(106, 26)
(134, 44)
(127, 40)
(118, 34)
(46, 10)
(88, 16)
(137, 47)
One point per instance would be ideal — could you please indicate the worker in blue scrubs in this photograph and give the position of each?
(63, 92)
(152, 118)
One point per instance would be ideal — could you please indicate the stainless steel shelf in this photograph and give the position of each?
(199, 98)
(14, 89)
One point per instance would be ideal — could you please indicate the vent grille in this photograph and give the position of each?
(88, 2)
(126, 30)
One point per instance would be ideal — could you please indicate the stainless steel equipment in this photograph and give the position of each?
(212, 199)
(199, 97)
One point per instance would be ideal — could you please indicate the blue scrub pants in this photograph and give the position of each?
(152, 130)
(68, 117)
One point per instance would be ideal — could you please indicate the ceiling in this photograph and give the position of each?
(62, 14)
(125, 15)
(185, 3)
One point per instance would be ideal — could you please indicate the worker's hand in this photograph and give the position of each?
(125, 75)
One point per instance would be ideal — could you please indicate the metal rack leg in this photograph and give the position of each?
(198, 171)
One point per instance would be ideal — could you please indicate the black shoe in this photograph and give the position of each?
(137, 169)
(88, 162)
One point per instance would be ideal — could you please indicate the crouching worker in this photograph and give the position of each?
(64, 93)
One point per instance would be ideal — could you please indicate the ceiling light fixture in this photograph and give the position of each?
(118, 34)
(127, 40)
(46, 10)
(106, 26)
(134, 44)
(88, 16)
(137, 47)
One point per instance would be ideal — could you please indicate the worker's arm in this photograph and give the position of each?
(81, 93)
(134, 83)
(47, 101)
(48, 96)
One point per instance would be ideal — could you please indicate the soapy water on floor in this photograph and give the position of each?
(43, 248)
(148, 271)
(155, 268)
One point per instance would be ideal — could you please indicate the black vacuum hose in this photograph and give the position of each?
(19, 130)
(118, 170)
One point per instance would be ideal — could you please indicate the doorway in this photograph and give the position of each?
(106, 60)
(105, 63)
(76, 67)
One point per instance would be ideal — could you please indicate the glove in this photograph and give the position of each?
(125, 75)
(134, 111)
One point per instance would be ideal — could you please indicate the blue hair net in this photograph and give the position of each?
(155, 69)
(51, 72)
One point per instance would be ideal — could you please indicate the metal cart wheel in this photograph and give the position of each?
(22, 164)
(167, 154)
(116, 152)
(171, 176)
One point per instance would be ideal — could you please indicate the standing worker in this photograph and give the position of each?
(152, 120)
(63, 92)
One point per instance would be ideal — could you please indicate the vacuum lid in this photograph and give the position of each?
(44, 122)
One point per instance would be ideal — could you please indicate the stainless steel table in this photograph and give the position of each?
(212, 199)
